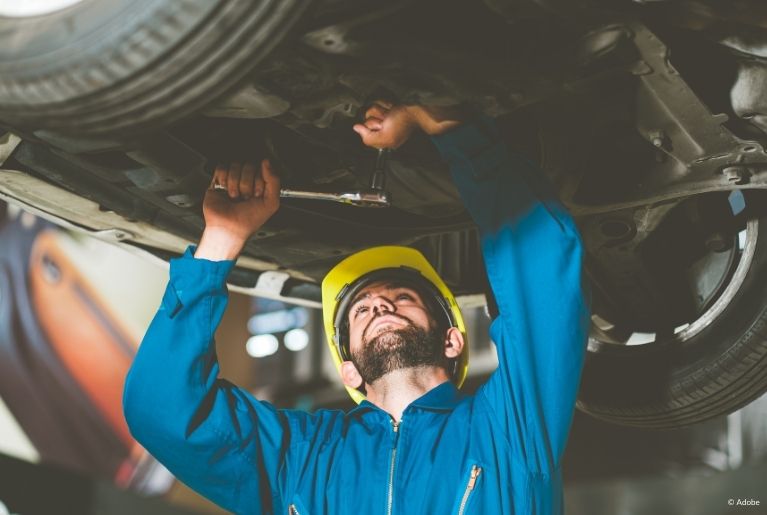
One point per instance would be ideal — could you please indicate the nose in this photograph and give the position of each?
(382, 304)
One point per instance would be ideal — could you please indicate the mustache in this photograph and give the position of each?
(387, 313)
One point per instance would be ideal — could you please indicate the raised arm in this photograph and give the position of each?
(213, 436)
(532, 253)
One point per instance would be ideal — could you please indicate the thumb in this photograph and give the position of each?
(362, 130)
(369, 137)
(271, 182)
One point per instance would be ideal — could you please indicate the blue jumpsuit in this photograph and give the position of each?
(498, 451)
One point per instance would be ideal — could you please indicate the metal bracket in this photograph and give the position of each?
(697, 154)
(8, 143)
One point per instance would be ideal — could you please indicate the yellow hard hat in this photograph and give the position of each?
(382, 263)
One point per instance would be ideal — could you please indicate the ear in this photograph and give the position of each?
(350, 376)
(453, 343)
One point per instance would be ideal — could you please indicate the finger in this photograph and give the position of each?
(271, 185)
(362, 130)
(370, 138)
(233, 180)
(376, 111)
(374, 124)
(219, 177)
(258, 185)
(247, 177)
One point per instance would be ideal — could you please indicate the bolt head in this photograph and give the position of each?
(735, 174)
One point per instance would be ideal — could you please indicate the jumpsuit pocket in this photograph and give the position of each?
(296, 508)
(469, 486)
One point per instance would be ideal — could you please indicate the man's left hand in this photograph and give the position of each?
(388, 125)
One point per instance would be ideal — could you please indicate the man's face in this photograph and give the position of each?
(390, 328)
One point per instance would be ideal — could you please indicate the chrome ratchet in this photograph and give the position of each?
(365, 198)
(375, 196)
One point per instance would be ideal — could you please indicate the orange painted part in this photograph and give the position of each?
(84, 333)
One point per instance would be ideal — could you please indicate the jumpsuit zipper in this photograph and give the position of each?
(390, 496)
(475, 472)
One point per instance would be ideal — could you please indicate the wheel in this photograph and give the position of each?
(121, 66)
(710, 364)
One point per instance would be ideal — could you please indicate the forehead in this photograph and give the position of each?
(383, 287)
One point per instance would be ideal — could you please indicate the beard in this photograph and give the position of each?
(407, 347)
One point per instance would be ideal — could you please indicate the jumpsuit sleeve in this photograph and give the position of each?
(532, 254)
(211, 435)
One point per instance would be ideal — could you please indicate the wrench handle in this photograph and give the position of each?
(368, 198)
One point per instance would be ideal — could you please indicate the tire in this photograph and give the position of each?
(669, 384)
(123, 66)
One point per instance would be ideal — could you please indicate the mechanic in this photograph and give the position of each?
(414, 444)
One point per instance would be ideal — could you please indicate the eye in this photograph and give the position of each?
(360, 309)
(404, 296)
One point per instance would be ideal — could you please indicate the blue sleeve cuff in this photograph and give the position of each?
(190, 275)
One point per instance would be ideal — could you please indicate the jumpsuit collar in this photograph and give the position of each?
(443, 397)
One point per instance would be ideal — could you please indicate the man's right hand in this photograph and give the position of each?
(247, 199)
